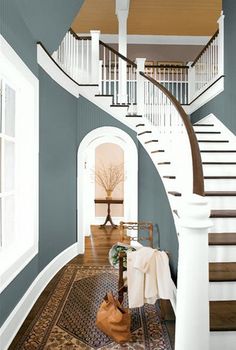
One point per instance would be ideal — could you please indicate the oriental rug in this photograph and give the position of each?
(66, 319)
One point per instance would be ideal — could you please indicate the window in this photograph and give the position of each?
(18, 164)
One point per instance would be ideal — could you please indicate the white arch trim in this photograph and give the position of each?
(86, 161)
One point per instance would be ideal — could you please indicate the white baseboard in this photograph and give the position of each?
(20, 312)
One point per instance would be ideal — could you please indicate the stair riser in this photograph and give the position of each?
(222, 291)
(223, 225)
(222, 340)
(215, 145)
(220, 184)
(222, 253)
(170, 184)
(218, 157)
(214, 170)
(222, 202)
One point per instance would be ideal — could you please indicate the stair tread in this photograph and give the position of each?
(103, 95)
(175, 193)
(169, 177)
(208, 132)
(223, 315)
(223, 238)
(213, 141)
(164, 163)
(222, 272)
(223, 213)
(220, 193)
(119, 105)
(219, 163)
(158, 150)
(144, 132)
(217, 151)
(150, 141)
(140, 124)
(203, 124)
(220, 177)
(133, 116)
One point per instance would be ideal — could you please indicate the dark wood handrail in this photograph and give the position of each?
(198, 180)
(165, 66)
(76, 36)
(118, 54)
(205, 47)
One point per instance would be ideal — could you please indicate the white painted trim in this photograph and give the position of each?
(155, 39)
(85, 191)
(20, 312)
(55, 72)
(208, 95)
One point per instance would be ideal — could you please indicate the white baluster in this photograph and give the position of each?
(221, 45)
(140, 85)
(100, 78)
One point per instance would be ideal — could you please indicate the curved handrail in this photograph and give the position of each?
(76, 36)
(198, 180)
(205, 48)
(118, 54)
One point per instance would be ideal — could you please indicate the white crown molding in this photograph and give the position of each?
(18, 315)
(155, 39)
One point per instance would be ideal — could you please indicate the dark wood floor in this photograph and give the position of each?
(97, 247)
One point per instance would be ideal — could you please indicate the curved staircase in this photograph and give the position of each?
(218, 152)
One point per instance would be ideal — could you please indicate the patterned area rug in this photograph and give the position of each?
(66, 320)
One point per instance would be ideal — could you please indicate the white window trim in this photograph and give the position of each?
(15, 257)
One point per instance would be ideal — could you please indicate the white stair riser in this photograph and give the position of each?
(223, 225)
(222, 202)
(222, 253)
(215, 145)
(209, 136)
(222, 291)
(170, 185)
(222, 340)
(220, 184)
(209, 170)
(218, 157)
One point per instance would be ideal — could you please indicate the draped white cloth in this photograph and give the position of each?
(148, 277)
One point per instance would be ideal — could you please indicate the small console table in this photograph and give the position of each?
(108, 202)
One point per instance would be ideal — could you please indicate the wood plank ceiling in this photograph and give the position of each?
(152, 17)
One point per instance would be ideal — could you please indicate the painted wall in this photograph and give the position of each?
(224, 105)
(153, 205)
(57, 127)
(108, 154)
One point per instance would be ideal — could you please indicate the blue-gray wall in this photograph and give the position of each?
(63, 122)
(224, 105)
(22, 28)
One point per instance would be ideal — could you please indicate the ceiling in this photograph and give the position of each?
(152, 17)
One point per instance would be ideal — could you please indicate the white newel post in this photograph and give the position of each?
(122, 12)
(140, 85)
(95, 56)
(191, 82)
(221, 45)
(192, 311)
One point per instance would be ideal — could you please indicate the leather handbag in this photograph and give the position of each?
(114, 320)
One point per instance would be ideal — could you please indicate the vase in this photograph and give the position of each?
(109, 194)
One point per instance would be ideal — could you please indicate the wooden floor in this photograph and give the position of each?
(97, 247)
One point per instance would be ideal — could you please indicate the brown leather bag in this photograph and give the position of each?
(113, 319)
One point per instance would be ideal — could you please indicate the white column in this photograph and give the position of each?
(122, 11)
(221, 45)
(95, 56)
(192, 311)
(140, 85)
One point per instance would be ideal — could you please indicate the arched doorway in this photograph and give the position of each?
(85, 185)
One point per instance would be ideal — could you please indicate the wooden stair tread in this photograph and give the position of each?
(213, 141)
(220, 193)
(144, 132)
(169, 177)
(174, 193)
(223, 315)
(218, 151)
(103, 95)
(208, 132)
(119, 105)
(164, 163)
(140, 124)
(222, 272)
(219, 177)
(223, 238)
(203, 124)
(226, 213)
(219, 163)
(158, 150)
(150, 141)
(133, 116)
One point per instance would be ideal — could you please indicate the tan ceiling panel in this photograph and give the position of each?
(152, 17)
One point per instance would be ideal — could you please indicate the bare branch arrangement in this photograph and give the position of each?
(109, 176)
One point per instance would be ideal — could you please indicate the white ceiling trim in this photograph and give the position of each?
(156, 39)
